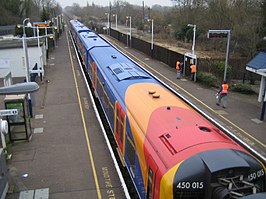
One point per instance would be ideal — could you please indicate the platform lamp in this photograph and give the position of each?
(108, 25)
(151, 20)
(129, 17)
(194, 37)
(115, 15)
(26, 57)
(25, 49)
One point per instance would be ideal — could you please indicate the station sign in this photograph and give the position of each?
(8, 112)
(218, 33)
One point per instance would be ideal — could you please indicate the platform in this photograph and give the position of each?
(67, 155)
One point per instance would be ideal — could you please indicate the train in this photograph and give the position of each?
(171, 151)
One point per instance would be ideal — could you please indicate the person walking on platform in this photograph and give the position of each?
(178, 68)
(222, 95)
(193, 71)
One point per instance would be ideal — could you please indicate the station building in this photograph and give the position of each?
(12, 58)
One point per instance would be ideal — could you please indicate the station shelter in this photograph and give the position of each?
(19, 126)
(12, 56)
(258, 65)
(189, 58)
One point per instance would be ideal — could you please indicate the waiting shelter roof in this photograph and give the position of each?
(258, 64)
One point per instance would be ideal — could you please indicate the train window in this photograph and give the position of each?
(150, 179)
(90, 65)
(106, 100)
(111, 109)
(120, 124)
(119, 127)
(131, 154)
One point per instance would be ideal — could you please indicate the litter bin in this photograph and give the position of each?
(19, 126)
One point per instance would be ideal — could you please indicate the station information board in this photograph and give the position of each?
(218, 33)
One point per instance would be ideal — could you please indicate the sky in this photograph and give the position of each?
(82, 3)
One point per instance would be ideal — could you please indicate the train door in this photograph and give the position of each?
(120, 127)
(94, 75)
(151, 179)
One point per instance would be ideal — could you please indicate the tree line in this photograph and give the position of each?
(245, 18)
(13, 12)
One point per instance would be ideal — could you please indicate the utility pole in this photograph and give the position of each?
(110, 14)
(143, 13)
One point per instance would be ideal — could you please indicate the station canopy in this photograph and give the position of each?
(258, 64)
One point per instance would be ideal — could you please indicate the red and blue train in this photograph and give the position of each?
(169, 149)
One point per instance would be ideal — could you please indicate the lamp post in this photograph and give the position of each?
(129, 17)
(194, 37)
(115, 15)
(26, 19)
(26, 59)
(227, 53)
(151, 36)
(107, 22)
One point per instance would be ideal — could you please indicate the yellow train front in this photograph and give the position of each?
(170, 150)
(183, 155)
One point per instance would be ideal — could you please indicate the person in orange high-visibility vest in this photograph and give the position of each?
(222, 95)
(178, 69)
(193, 70)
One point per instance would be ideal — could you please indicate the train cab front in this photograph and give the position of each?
(215, 174)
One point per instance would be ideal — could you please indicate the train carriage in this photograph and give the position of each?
(80, 34)
(77, 27)
(170, 150)
(82, 43)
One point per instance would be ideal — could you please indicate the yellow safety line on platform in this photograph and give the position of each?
(255, 139)
(84, 125)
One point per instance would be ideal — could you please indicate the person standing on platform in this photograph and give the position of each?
(222, 95)
(193, 71)
(178, 69)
